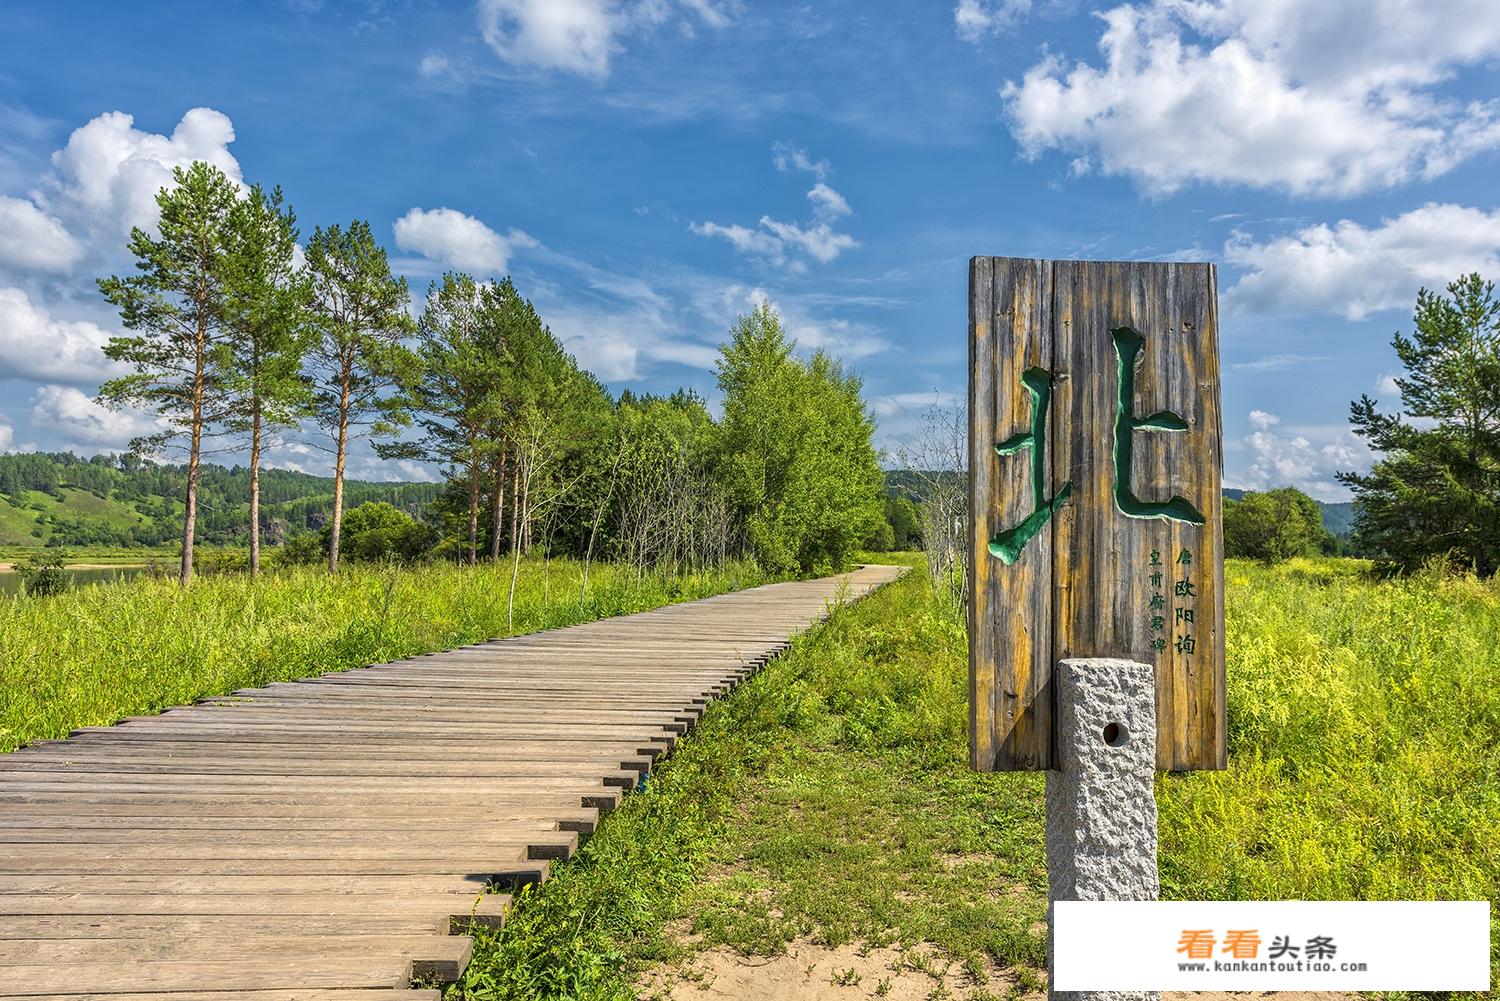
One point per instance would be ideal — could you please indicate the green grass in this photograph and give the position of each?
(830, 797)
(95, 654)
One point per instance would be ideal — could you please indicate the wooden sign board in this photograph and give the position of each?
(1096, 455)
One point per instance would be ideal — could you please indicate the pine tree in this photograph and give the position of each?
(359, 360)
(1436, 491)
(176, 306)
(268, 298)
(457, 396)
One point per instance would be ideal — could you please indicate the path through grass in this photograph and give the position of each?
(97, 653)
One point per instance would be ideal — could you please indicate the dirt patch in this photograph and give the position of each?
(1256, 995)
(815, 972)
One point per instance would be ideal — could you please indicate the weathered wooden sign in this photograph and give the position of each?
(1095, 462)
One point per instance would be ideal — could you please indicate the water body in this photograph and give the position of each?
(10, 581)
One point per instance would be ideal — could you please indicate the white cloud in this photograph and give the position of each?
(819, 241)
(36, 345)
(450, 237)
(1304, 457)
(788, 244)
(1385, 385)
(1315, 97)
(582, 36)
(7, 435)
(109, 173)
(434, 64)
(34, 241)
(788, 158)
(85, 424)
(827, 203)
(908, 404)
(1276, 363)
(974, 19)
(1355, 270)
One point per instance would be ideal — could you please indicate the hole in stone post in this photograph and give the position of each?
(1116, 734)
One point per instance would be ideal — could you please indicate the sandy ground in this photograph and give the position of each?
(818, 973)
(810, 972)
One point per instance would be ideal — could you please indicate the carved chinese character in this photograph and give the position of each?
(1128, 344)
(1007, 546)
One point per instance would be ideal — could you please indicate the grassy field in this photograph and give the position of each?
(97, 653)
(829, 800)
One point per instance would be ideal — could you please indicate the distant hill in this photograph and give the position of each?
(59, 499)
(1337, 518)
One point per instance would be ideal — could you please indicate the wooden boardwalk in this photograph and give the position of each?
(319, 840)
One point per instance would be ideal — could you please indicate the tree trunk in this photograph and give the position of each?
(338, 479)
(190, 518)
(473, 503)
(526, 513)
(255, 493)
(515, 506)
(498, 519)
(195, 449)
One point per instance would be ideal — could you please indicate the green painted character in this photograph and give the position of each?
(1128, 344)
(1007, 546)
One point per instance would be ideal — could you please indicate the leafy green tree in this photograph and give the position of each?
(359, 359)
(796, 449)
(379, 532)
(1274, 525)
(457, 391)
(1436, 491)
(181, 347)
(267, 316)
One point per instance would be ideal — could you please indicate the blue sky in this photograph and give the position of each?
(648, 169)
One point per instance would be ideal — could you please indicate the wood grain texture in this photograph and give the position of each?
(322, 836)
(1010, 608)
(1085, 582)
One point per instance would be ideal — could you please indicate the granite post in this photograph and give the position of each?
(1101, 804)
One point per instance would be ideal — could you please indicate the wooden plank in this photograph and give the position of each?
(1010, 606)
(1104, 565)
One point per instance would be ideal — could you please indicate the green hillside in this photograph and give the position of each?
(59, 499)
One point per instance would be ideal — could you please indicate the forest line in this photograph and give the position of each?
(239, 336)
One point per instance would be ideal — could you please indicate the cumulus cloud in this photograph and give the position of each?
(976, 19)
(109, 172)
(32, 240)
(36, 345)
(7, 435)
(85, 423)
(1305, 458)
(1316, 97)
(583, 36)
(1354, 270)
(450, 237)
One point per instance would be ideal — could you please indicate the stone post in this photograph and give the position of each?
(1101, 805)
